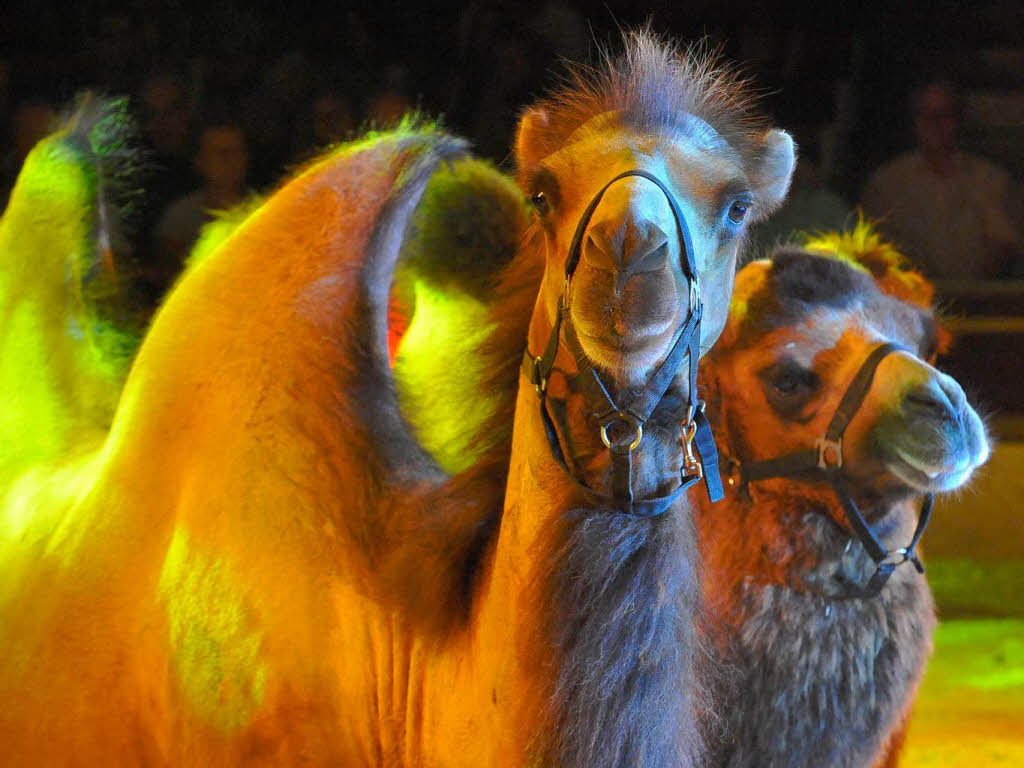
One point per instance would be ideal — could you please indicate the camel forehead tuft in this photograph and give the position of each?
(799, 284)
(654, 87)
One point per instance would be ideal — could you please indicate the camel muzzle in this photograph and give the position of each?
(825, 460)
(621, 425)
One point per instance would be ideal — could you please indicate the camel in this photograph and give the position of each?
(824, 676)
(61, 248)
(259, 563)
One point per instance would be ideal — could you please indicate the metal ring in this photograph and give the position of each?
(629, 419)
(896, 557)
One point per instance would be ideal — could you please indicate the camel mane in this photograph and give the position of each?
(834, 272)
(654, 85)
(864, 248)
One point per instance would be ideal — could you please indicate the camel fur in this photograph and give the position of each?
(259, 563)
(812, 678)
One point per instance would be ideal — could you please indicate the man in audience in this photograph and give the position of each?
(946, 207)
(223, 164)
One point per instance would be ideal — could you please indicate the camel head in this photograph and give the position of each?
(800, 328)
(686, 121)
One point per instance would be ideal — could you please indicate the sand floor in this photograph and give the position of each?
(970, 711)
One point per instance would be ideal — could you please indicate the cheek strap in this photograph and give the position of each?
(825, 461)
(695, 431)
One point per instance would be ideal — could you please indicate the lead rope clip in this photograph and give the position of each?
(692, 466)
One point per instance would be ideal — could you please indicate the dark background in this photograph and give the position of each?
(837, 75)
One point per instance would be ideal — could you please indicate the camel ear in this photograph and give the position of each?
(530, 139)
(774, 171)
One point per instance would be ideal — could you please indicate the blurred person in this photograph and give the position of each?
(948, 208)
(31, 121)
(167, 124)
(274, 112)
(390, 103)
(165, 120)
(222, 161)
(332, 117)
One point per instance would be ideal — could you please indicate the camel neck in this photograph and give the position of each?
(793, 536)
(595, 611)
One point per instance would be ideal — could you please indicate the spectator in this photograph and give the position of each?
(332, 117)
(166, 127)
(223, 163)
(946, 207)
(166, 122)
(387, 106)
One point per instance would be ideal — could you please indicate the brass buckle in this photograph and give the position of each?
(539, 382)
(733, 470)
(692, 466)
(628, 418)
(824, 446)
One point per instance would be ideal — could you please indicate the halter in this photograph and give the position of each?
(825, 460)
(696, 431)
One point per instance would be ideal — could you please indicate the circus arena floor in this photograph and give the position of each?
(970, 711)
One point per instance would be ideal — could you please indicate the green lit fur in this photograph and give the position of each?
(467, 226)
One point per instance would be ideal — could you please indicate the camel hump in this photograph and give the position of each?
(65, 341)
(321, 258)
(467, 227)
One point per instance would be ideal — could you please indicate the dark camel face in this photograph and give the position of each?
(629, 295)
(915, 430)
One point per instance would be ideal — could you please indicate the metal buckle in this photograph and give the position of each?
(692, 466)
(896, 557)
(824, 446)
(733, 471)
(628, 418)
(539, 382)
(694, 294)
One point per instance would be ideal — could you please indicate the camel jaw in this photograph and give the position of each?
(926, 477)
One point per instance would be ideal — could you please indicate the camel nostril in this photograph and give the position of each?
(600, 252)
(645, 248)
(653, 259)
(929, 401)
(954, 393)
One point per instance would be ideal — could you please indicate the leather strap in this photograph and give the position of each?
(826, 460)
(640, 408)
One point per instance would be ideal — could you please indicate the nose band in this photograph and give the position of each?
(700, 457)
(825, 460)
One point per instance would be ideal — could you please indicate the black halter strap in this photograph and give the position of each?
(826, 460)
(635, 413)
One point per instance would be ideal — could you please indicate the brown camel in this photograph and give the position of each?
(823, 677)
(259, 564)
(597, 607)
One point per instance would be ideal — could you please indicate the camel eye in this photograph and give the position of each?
(786, 384)
(540, 203)
(789, 387)
(738, 211)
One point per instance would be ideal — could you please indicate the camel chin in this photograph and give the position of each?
(637, 352)
(933, 474)
(933, 455)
